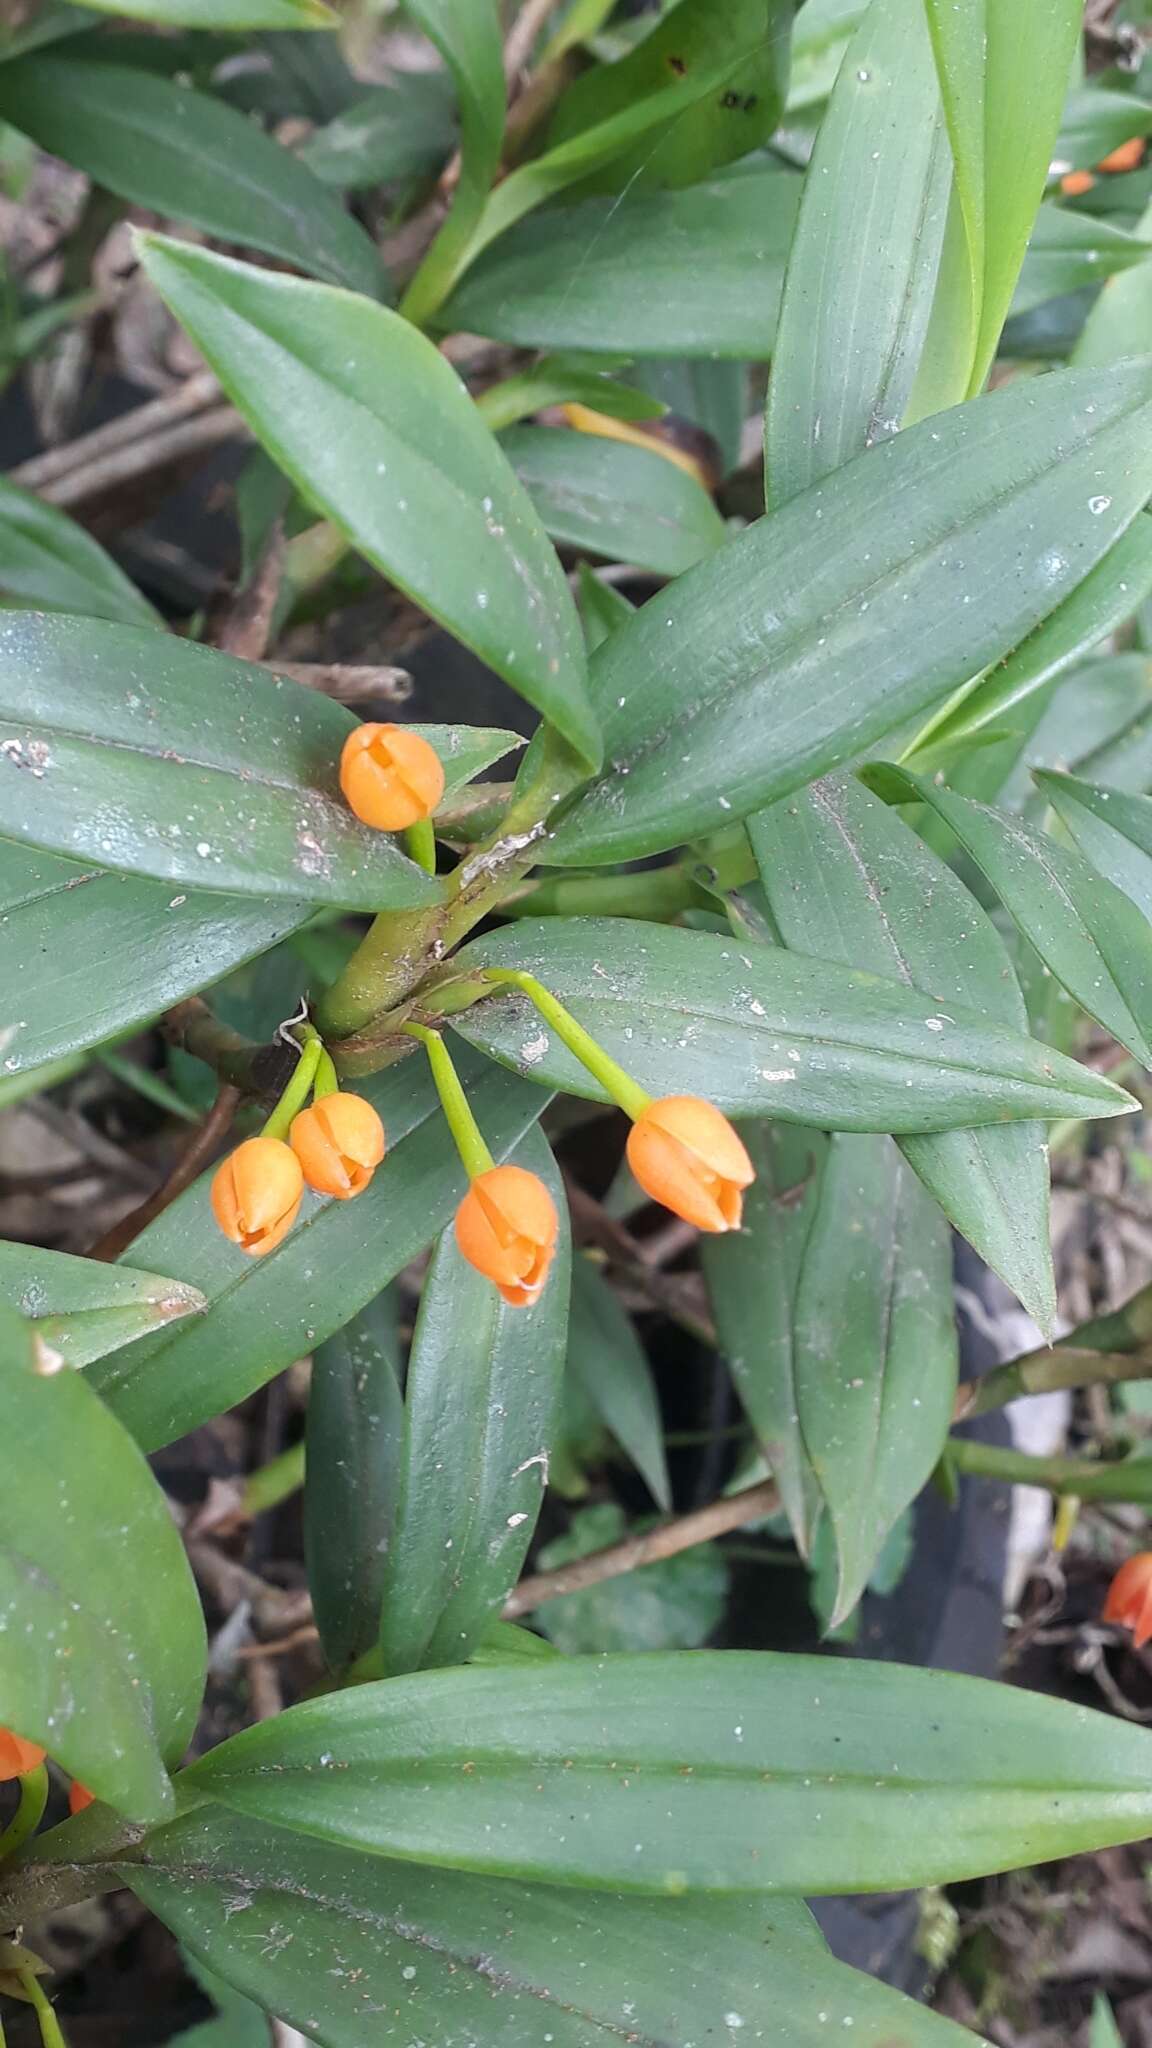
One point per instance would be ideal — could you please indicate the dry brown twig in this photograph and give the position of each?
(199, 1152)
(195, 395)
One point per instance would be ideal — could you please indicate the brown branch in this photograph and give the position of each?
(193, 396)
(521, 38)
(138, 458)
(262, 1070)
(199, 1152)
(719, 1518)
(243, 625)
(348, 682)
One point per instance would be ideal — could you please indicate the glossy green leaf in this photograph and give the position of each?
(691, 273)
(226, 14)
(1121, 318)
(750, 37)
(607, 1362)
(729, 1771)
(263, 1313)
(753, 1275)
(1105, 840)
(395, 131)
(846, 880)
(187, 155)
(155, 756)
(355, 1428)
(82, 1309)
(47, 560)
(1069, 250)
(1095, 122)
(857, 605)
(862, 271)
(102, 1649)
(377, 430)
(1090, 935)
(467, 35)
(1107, 596)
(480, 1410)
(1004, 67)
(673, 1604)
(766, 1033)
(498, 1963)
(623, 503)
(63, 924)
(874, 1349)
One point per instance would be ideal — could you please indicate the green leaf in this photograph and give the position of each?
(1093, 722)
(753, 1275)
(64, 924)
(819, 40)
(377, 430)
(355, 1426)
(1070, 250)
(623, 503)
(846, 880)
(102, 1651)
(564, 380)
(237, 2022)
(48, 561)
(833, 620)
(1095, 122)
(467, 35)
(152, 755)
(602, 607)
(1108, 840)
(700, 1770)
(1121, 318)
(766, 1033)
(1105, 2033)
(228, 14)
(1107, 596)
(673, 1604)
(750, 38)
(1004, 67)
(394, 132)
(874, 1349)
(189, 156)
(1090, 935)
(82, 1309)
(480, 1411)
(498, 1963)
(694, 273)
(263, 1313)
(608, 1364)
(852, 327)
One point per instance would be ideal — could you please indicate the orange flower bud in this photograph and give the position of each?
(79, 1796)
(390, 776)
(1075, 183)
(685, 1154)
(1128, 157)
(339, 1143)
(506, 1227)
(18, 1757)
(1130, 1597)
(256, 1194)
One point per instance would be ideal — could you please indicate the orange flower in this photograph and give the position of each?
(1074, 183)
(18, 1757)
(1130, 1597)
(256, 1194)
(339, 1143)
(79, 1796)
(685, 1154)
(1128, 157)
(390, 776)
(506, 1227)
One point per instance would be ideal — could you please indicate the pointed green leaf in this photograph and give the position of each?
(355, 1426)
(228, 14)
(698, 1770)
(498, 1963)
(857, 605)
(82, 1309)
(187, 155)
(608, 1364)
(1091, 937)
(852, 325)
(1114, 841)
(480, 1410)
(467, 35)
(154, 756)
(102, 1649)
(47, 560)
(1105, 2032)
(392, 132)
(766, 1033)
(846, 880)
(1071, 251)
(263, 1313)
(623, 503)
(376, 429)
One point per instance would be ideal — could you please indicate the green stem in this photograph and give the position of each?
(1125, 1479)
(50, 2030)
(420, 844)
(623, 1090)
(275, 1482)
(297, 1092)
(659, 894)
(28, 1814)
(1045, 1372)
(327, 1079)
(464, 1128)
